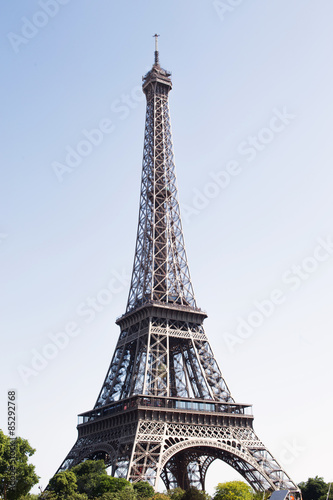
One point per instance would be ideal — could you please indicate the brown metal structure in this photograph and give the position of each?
(165, 410)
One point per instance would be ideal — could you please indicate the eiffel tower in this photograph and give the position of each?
(164, 410)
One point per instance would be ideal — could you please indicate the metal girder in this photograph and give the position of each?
(158, 363)
(180, 453)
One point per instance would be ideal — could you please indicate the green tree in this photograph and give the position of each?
(48, 495)
(194, 494)
(314, 488)
(89, 467)
(176, 493)
(17, 476)
(262, 495)
(233, 490)
(329, 492)
(93, 480)
(63, 484)
(143, 490)
(117, 484)
(30, 496)
(89, 476)
(160, 496)
(109, 484)
(108, 496)
(51, 495)
(127, 493)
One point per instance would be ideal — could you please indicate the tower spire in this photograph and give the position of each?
(156, 49)
(160, 270)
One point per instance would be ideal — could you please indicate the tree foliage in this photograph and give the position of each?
(143, 490)
(30, 496)
(89, 477)
(89, 480)
(176, 493)
(93, 480)
(194, 494)
(328, 493)
(17, 476)
(262, 495)
(63, 484)
(233, 490)
(127, 493)
(89, 467)
(314, 488)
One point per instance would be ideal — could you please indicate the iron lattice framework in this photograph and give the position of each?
(164, 410)
(160, 269)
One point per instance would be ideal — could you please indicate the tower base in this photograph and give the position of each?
(145, 438)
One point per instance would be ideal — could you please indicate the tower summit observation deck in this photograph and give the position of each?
(164, 409)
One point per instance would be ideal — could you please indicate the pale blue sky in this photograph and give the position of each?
(260, 73)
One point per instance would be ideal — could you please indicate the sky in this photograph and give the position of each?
(251, 111)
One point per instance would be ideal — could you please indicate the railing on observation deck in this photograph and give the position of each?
(157, 403)
(160, 303)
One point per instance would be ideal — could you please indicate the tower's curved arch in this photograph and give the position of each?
(91, 451)
(204, 452)
(99, 451)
